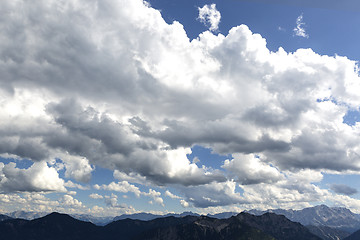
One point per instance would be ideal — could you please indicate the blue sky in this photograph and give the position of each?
(117, 107)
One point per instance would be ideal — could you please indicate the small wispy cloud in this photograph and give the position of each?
(210, 16)
(299, 30)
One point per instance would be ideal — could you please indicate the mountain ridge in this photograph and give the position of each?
(56, 226)
(321, 215)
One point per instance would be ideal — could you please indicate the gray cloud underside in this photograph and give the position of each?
(343, 189)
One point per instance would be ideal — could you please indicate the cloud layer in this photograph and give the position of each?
(95, 83)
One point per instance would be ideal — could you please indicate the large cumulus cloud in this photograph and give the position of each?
(38, 177)
(111, 84)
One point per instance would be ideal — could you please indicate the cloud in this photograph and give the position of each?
(169, 115)
(95, 196)
(71, 184)
(111, 211)
(41, 202)
(343, 189)
(293, 190)
(121, 89)
(38, 177)
(130, 177)
(213, 194)
(299, 30)
(69, 201)
(249, 169)
(126, 187)
(123, 187)
(106, 141)
(112, 201)
(210, 16)
(77, 168)
(155, 196)
(184, 203)
(73, 193)
(171, 195)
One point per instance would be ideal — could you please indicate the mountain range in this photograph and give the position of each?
(322, 215)
(56, 226)
(327, 223)
(149, 216)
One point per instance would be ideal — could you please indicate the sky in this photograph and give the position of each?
(121, 106)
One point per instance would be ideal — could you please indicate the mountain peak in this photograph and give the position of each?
(322, 207)
(277, 225)
(57, 215)
(320, 215)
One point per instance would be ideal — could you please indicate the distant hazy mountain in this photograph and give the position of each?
(322, 215)
(99, 221)
(149, 216)
(138, 216)
(27, 215)
(57, 226)
(223, 215)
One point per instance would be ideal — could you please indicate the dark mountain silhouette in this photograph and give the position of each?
(56, 226)
(277, 226)
(243, 226)
(206, 228)
(4, 217)
(129, 228)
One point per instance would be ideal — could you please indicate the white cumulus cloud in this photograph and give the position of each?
(171, 195)
(95, 196)
(38, 177)
(210, 16)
